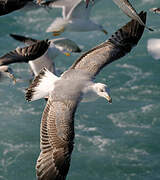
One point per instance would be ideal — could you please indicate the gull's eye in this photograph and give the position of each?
(101, 90)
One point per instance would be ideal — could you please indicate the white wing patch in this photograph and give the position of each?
(41, 86)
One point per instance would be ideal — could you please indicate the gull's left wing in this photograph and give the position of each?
(28, 53)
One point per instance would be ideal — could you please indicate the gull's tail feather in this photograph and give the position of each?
(41, 86)
(128, 9)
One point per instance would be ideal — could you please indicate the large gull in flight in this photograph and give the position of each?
(65, 93)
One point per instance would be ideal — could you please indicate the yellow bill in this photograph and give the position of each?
(67, 54)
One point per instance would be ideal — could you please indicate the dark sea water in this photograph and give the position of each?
(118, 141)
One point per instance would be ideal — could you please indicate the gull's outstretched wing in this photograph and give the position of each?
(128, 9)
(66, 44)
(26, 40)
(117, 46)
(66, 5)
(56, 140)
(20, 55)
(79, 11)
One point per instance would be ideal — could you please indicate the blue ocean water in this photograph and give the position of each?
(118, 141)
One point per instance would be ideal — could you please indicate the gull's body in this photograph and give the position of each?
(76, 17)
(56, 47)
(66, 91)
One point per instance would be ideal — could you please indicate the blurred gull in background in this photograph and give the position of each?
(153, 47)
(76, 17)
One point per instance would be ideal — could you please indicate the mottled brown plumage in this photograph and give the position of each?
(56, 144)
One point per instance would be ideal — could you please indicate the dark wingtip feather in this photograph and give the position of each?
(129, 35)
(135, 29)
(23, 39)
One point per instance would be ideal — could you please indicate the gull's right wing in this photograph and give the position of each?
(117, 46)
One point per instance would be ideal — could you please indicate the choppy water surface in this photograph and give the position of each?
(113, 141)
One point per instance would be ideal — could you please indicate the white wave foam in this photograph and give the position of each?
(148, 1)
(134, 73)
(84, 128)
(148, 108)
(126, 119)
(10, 154)
(100, 142)
(133, 133)
(140, 151)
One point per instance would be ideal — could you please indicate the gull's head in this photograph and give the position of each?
(58, 26)
(103, 91)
